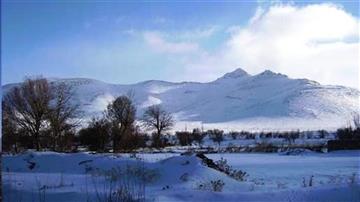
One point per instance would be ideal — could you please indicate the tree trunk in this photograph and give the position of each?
(15, 147)
(37, 134)
(54, 142)
(37, 141)
(114, 143)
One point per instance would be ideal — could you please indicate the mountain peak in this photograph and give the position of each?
(269, 73)
(237, 73)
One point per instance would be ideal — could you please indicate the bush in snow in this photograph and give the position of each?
(223, 165)
(309, 183)
(118, 191)
(247, 135)
(217, 185)
(96, 136)
(213, 185)
(226, 168)
(265, 135)
(234, 134)
(352, 178)
(290, 137)
(238, 175)
(216, 135)
(264, 146)
(122, 184)
(132, 140)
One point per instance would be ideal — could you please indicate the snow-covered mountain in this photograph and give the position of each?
(235, 101)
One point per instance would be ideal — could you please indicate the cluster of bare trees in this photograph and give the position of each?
(118, 126)
(352, 131)
(187, 138)
(38, 114)
(41, 115)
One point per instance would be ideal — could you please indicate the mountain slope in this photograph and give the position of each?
(266, 101)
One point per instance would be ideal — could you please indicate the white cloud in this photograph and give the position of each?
(157, 42)
(318, 41)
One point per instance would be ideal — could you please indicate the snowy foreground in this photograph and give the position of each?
(77, 177)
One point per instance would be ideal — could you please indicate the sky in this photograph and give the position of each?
(128, 42)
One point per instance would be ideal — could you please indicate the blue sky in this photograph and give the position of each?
(131, 42)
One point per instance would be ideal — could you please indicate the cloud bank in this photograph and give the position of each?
(318, 41)
(314, 41)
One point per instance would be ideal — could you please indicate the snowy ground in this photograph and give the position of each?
(52, 176)
(276, 171)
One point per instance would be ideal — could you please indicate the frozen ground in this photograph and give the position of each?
(170, 177)
(278, 171)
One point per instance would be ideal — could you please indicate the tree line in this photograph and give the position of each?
(39, 114)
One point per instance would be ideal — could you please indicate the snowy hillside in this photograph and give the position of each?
(236, 101)
(270, 177)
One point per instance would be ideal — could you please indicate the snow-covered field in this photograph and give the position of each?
(274, 171)
(49, 176)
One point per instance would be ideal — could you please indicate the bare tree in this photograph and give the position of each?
(29, 104)
(121, 113)
(157, 119)
(216, 136)
(62, 113)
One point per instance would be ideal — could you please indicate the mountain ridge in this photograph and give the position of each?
(231, 101)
